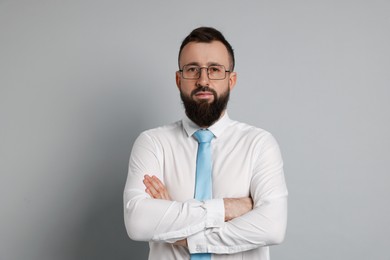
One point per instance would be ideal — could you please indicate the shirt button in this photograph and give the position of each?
(198, 249)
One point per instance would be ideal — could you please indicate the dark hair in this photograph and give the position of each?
(207, 35)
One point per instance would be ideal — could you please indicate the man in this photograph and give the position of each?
(224, 198)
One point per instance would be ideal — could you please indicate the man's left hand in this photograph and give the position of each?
(155, 188)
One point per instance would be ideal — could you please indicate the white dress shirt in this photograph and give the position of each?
(246, 162)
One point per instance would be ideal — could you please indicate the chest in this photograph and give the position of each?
(232, 169)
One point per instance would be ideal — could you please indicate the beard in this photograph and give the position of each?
(202, 113)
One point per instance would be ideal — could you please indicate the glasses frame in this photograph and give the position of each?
(207, 70)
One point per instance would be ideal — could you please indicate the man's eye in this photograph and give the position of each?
(215, 69)
(192, 69)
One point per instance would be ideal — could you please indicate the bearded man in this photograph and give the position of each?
(206, 187)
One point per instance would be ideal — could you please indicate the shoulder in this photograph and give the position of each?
(245, 129)
(260, 142)
(161, 132)
(251, 135)
(171, 128)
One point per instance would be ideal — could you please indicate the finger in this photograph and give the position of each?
(160, 185)
(148, 192)
(161, 188)
(149, 186)
(156, 186)
(148, 182)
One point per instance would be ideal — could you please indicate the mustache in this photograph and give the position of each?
(204, 89)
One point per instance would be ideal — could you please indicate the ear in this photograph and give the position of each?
(232, 80)
(178, 79)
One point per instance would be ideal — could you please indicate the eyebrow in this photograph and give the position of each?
(208, 64)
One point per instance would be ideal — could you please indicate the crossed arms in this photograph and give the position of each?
(221, 226)
(234, 207)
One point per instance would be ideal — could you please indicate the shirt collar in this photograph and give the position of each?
(217, 128)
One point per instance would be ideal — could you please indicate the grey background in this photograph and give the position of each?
(79, 80)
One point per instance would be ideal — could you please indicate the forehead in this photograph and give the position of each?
(204, 54)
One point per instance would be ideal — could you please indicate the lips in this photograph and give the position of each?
(204, 94)
(201, 93)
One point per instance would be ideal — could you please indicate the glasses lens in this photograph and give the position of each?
(191, 72)
(216, 72)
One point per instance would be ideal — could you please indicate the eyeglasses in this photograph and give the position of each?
(217, 72)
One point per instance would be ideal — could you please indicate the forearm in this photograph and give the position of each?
(162, 220)
(149, 219)
(236, 207)
(264, 225)
(245, 229)
(233, 207)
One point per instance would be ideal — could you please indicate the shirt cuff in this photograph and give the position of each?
(215, 210)
(197, 243)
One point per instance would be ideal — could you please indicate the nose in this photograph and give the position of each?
(203, 78)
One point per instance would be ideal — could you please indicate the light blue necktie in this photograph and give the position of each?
(203, 183)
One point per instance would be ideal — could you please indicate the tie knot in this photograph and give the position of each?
(203, 136)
